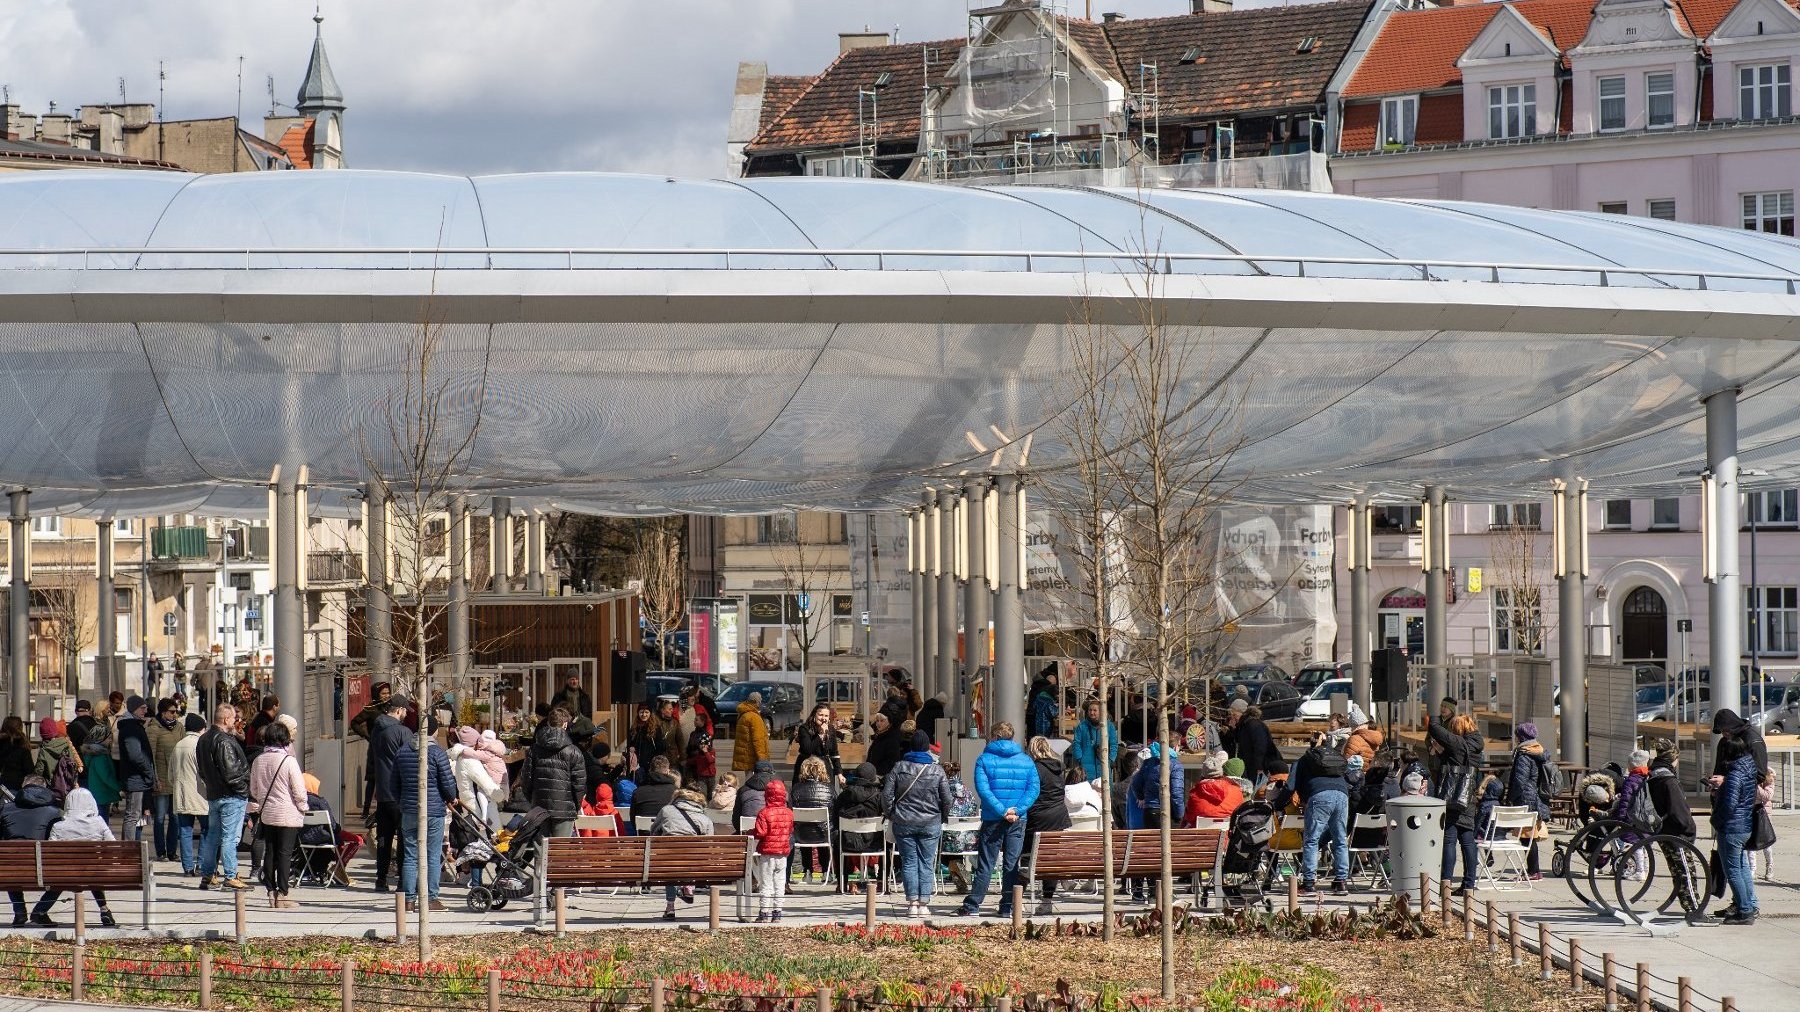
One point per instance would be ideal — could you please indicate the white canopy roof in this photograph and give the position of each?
(635, 343)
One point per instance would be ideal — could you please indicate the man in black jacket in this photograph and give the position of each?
(28, 817)
(1325, 794)
(389, 736)
(79, 727)
(887, 746)
(225, 780)
(1250, 738)
(137, 767)
(655, 789)
(555, 773)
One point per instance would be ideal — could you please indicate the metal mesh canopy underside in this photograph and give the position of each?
(638, 344)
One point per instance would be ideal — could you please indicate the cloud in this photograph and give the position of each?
(466, 86)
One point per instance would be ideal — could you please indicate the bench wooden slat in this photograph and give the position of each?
(71, 864)
(1136, 853)
(645, 860)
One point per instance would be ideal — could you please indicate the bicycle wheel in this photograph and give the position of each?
(1588, 844)
(1632, 873)
(1677, 880)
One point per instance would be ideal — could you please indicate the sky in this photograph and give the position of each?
(463, 86)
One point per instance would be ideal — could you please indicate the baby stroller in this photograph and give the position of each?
(1247, 855)
(508, 858)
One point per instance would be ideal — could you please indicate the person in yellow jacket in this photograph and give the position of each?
(752, 741)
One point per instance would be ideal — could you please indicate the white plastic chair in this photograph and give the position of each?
(600, 823)
(305, 851)
(1501, 864)
(813, 817)
(871, 826)
(645, 825)
(1370, 860)
(1222, 825)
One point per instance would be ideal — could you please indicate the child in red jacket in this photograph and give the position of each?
(774, 834)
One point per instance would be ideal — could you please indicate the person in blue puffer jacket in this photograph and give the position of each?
(1146, 789)
(1006, 780)
(1733, 817)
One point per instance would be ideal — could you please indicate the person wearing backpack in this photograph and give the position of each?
(1633, 804)
(1531, 784)
(57, 762)
(1325, 796)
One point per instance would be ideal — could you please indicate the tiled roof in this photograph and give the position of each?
(297, 142)
(779, 93)
(825, 115)
(1247, 60)
(1418, 50)
(50, 152)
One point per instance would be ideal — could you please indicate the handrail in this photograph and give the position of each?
(455, 258)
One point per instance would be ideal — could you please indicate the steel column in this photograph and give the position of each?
(106, 620)
(926, 617)
(977, 593)
(915, 555)
(1571, 524)
(1724, 596)
(1006, 698)
(378, 601)
(534, 552)
(500, 546)
(457, 638)
(290, 652)
(1437, 586)
(19, 607)
(1359, 604)
(949, 679)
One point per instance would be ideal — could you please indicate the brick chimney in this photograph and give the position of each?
(1209, 6)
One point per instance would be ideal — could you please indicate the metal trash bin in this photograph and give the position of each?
(1415, 836)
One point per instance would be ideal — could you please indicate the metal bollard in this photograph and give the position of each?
(1493, 938)
(1544, 965)
(1512, 938)
(1643, 987)
(493, 991)
(78, 972)
(1575, 965)
(399, 917)
(658, 997)
(348, 985)
(205, 980)
(1609, 982)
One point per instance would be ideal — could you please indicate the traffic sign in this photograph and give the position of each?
(805, 603)
(169, 623)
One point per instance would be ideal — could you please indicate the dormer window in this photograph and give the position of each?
(1512, 111)
(1399, 120)
(1764, 92)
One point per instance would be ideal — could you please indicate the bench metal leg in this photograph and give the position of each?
(542, 876)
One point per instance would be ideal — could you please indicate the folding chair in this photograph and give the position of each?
(601, 823)
(305, 852)
(970, 826)
(877, 827)
(644, 825)
(1370, 859)
(1290, 856)
(820, 817)
(1502, 854)
(1222, 825)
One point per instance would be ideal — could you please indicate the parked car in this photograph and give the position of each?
(1277, 699)
(1784, 718)
(1235, 673)
(1652, 701)
(1313, 675)
(672, 652)
(1759, 704)
(1317, 705)
(782, 703)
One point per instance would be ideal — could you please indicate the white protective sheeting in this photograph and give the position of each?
(640, 344)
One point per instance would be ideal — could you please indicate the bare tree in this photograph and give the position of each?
(415, 465)
(1519, 578)
(658, 562)
(70, 624)
(803, 570)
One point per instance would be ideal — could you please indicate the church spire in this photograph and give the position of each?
(319, 93)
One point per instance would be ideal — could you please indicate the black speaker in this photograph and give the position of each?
(629, 684)
(1387, 675)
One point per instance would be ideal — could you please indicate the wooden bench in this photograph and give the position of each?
(1137, 853)
(629, 861)
(78, 866)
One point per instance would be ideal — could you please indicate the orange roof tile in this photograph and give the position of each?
(825, 114)
(297, 142)
(779, 94)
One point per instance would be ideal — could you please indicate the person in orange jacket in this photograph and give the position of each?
(602, 804)
(1213, 795)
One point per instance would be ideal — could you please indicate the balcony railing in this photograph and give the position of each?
(333, 567)
(178, 543)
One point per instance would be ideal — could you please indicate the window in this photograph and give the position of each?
(1512, 111)
(1763, 92)
(1396, 518)
(1770, 619)
(1770, 212)
(1614, 207)
(1399, 120)
(122, 601)
(1772, 509)
(1618, 515)
(121, 526)
(1660, 208)
(1612, 103)
(50, 527)
(1527, 515)
(1665, 514)
(775, 529)
(841, 165)
(1518, 620)
(1659, 100)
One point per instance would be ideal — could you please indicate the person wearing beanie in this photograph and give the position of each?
(53, 748)
(1524, 788)
(860, 799)
(1674, 817)
(1412, 785)
(1214, 795)
(136, 769)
